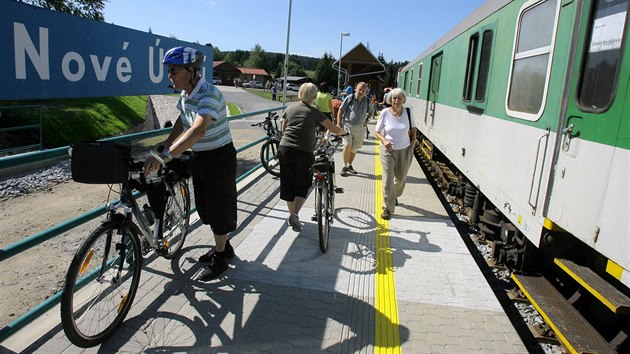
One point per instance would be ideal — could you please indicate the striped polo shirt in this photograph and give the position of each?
(206, 99)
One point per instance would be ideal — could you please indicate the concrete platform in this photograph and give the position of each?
(404, 285)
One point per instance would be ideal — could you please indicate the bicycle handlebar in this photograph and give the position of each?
(328, 145)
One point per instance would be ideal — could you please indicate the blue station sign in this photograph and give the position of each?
(46, 54)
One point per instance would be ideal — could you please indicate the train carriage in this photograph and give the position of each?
(527, 101)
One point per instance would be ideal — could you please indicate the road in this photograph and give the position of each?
(246, 101)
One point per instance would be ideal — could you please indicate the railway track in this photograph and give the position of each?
(538, 336)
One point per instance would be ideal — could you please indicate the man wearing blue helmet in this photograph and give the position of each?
(203, 127)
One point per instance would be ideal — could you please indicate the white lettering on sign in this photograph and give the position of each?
(123, 67)
(607, 32)
(66, 62)
(156, 78)
(62, 60)
(23, 45)
(100, 70)
(73, 65)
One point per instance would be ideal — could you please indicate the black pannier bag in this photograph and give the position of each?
(101, 162)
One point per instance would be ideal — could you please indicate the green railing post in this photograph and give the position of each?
(33, 240)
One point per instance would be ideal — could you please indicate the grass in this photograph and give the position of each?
(266, 94)
(233, 109)
(65, 122)
(68, 121)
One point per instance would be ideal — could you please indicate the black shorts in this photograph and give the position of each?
(295, 172)
(214, 180)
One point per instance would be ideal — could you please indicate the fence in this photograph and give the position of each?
(38, 238)
(17, 137)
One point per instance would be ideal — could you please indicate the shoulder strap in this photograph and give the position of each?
(408, 116)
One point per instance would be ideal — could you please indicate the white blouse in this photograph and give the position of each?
(395, 129)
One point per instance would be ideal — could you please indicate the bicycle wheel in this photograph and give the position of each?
(176, 219)
(322, 203)
(101, 284)
(269, 157)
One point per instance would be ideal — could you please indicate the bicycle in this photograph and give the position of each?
(104, 274)
(323, 170)
(269, 150)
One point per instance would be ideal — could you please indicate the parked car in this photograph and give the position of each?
(292, 87)
(217, 81)
(253, 84)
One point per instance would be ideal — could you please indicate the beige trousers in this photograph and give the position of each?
(395, 167)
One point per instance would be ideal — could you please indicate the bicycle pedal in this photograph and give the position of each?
(146, 247)
(339, 190)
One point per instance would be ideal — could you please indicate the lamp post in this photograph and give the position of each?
(286, 60)
(343, 34)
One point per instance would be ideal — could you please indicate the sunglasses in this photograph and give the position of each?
(173, 70)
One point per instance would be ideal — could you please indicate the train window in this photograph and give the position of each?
(471, 63)
(597, 88)
(419, 80)
(484, 66)
(478, 68)
(405, 81)
(410, 82)
(531, 61)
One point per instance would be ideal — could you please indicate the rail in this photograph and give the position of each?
(45, 235)
(25, 127)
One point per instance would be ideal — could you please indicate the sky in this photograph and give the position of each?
(399, 29)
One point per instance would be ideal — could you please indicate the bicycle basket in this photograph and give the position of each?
(100, 162)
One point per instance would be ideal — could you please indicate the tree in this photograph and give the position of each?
(237, 57)
(257, 58)
(272, 62)
(92, 9)
(325, 71)
(294, 69)
(217, 54)
(391, 70)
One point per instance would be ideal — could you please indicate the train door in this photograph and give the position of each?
(587, 173)
(434, 89)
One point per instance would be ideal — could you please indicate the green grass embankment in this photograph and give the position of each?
(64, 122)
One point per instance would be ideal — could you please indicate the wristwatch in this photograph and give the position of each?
(166, 155)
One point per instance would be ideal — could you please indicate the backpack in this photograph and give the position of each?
(336, 103)
(352, 99)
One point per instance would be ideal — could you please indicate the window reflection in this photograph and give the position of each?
(603, 54)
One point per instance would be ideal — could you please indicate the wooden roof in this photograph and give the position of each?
(359, 61)
(222, 66)
(252, 71)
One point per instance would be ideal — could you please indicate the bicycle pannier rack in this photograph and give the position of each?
(100, 162)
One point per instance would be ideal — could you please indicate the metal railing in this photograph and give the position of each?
(38, 238)
(38, 126)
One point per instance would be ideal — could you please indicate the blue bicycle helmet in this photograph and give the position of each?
(183, 57)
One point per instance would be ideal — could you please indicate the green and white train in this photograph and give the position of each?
(527, 101)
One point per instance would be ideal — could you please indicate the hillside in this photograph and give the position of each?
(54, 123)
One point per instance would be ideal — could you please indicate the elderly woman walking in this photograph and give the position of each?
(299, 127)
(394, 129)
